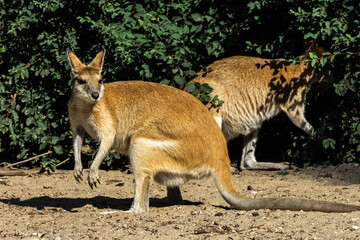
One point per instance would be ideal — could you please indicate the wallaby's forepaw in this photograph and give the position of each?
(78, 173)
(93, 179)
(314, 135)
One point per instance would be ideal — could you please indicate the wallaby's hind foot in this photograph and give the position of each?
(248, 159)
(264, 166)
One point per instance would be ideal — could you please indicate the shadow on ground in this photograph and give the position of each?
(100, 202)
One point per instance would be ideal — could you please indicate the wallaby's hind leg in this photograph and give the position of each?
(174, 195)
(141, 199)
(219, 121)
(248, 160)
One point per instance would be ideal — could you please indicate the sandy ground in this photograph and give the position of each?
(42, 206)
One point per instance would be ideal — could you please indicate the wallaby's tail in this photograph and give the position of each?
(228, 192)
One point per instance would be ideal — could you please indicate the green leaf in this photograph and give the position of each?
(206, 88)
(196, 17)
(58, 149)
(258, 50)
(180, 80)
(310, 35)
(30, 121)
(165, 82)
(190, 87)
(251, 5)
(55, 140)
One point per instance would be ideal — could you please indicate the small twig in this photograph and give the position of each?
(62, 162)
(29, 159)
(259, 2)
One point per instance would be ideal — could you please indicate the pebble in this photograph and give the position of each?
(255, 214)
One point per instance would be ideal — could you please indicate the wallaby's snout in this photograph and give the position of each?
(94, 89)
(95, 95)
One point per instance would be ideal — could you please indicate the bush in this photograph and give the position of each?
(167, 43)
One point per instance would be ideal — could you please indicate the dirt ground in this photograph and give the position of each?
(42, 206)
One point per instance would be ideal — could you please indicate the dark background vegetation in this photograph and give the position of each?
(168, 42)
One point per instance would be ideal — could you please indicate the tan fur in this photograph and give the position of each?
(169, 135)
(253, 91)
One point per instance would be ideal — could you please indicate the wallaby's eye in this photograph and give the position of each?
(101, 81)
(81, 81)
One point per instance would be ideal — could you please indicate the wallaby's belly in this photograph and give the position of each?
(174, 178)
(121, 144)
(242, 118)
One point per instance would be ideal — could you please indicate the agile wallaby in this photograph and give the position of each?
(255, 90)
(169, 136)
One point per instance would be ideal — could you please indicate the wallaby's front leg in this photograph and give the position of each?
(297, 117)
(78, 137)
(93, 177)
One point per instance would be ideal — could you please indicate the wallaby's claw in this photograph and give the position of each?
(78, 178)
(78, 174)
(93, 179)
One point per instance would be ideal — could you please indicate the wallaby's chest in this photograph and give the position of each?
(86, 120)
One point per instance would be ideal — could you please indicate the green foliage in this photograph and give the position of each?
(151, 41)
(157, 41)
(202, 91)
(168, 42)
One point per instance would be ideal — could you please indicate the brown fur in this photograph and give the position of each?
(169, 135)
(253, 91)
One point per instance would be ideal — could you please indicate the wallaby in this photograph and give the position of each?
(255, 90)
(169, 136)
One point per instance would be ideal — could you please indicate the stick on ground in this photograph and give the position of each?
(29, 159)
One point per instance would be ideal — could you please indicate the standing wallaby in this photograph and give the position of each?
(169, 136)
(255, 90)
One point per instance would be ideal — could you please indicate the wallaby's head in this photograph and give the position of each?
(325, 74)
(88, 83)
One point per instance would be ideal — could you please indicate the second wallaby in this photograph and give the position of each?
(169, 136)
(255, 90)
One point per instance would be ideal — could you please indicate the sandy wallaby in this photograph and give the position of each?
(169, 136)
(255, 90)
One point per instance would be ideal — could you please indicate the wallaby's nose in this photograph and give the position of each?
(95, 95)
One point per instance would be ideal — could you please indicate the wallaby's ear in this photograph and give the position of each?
(75, 63)
(98, 61)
